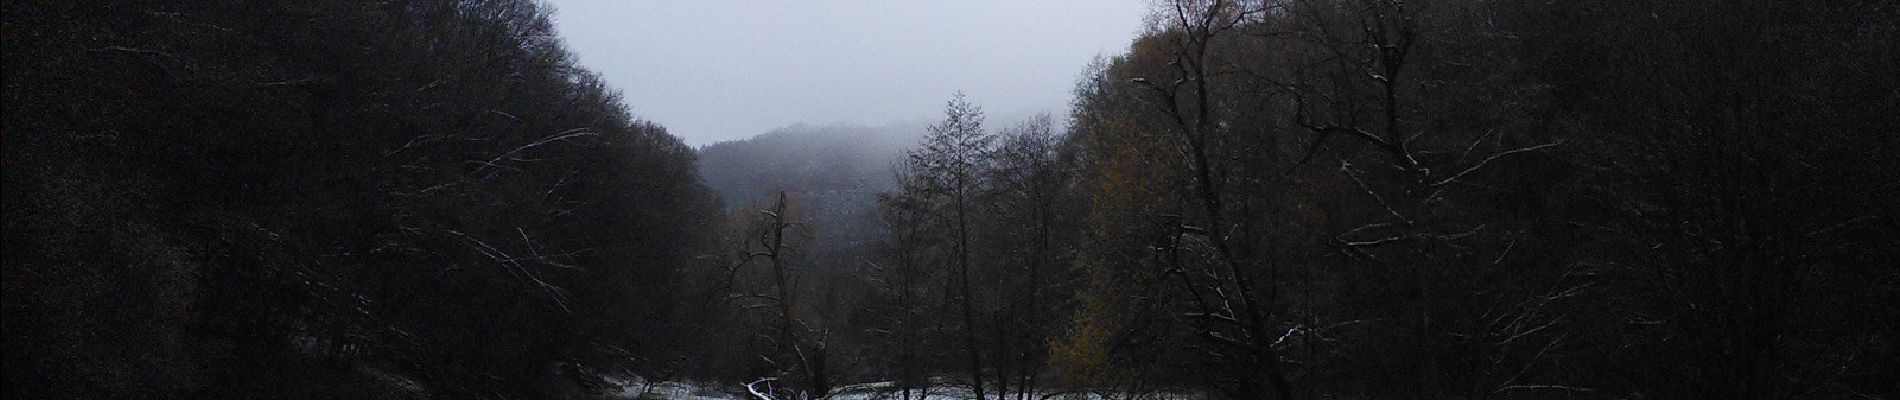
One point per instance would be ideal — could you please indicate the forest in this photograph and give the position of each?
(1254, 200)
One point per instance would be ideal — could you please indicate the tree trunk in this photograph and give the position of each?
(969, 316)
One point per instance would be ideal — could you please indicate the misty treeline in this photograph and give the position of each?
(1369, 199)
(1258, 200)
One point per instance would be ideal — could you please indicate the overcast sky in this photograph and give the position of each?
(716, 70)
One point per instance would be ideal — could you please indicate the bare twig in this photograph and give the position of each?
(564, 135)
(1488, 160)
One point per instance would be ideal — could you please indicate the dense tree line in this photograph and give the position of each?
(1443, 199)
(832, 251)
(774, 297)
(1474, 199)
(237, 199)
(952, 263)
(1259, 200)
(1420, 200)
(831, 173)
(964, 270)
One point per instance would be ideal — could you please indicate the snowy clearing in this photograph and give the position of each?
(640, 388)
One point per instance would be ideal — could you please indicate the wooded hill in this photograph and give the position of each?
(1258, 200)
(238, 199)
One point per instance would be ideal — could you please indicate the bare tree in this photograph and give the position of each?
(1230, 309)
(904, 275)
(1030, 203)
(768, 245)
(949, 167)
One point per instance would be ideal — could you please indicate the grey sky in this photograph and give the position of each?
(726, 69)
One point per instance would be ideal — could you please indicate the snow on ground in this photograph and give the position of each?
(638, 388)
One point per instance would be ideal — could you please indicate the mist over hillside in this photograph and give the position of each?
(834, 158)
(829, 158)
(832, 173)
(1246, 200)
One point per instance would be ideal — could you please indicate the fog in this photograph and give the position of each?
(962, 200)
(722, 70)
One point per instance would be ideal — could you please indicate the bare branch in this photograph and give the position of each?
(1488, 160)
(753, 388)
(564, 135)
(1545, 387)
(1354, 174)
